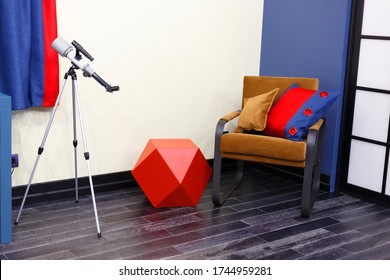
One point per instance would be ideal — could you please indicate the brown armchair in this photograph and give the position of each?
(267, 149)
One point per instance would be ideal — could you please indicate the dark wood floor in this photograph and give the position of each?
(260, 221)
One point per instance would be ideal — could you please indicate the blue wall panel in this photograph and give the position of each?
(5, 170)
(309, 38)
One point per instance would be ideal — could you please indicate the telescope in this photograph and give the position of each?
(73, 53)
(67, 50)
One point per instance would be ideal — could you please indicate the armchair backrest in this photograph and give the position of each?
(255, 85)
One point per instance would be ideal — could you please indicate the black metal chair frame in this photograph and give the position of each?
(311, 177)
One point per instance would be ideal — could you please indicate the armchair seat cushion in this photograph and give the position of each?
(263, 146)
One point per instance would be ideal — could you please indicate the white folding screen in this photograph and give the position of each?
(366, 165)
(372, 111)
(374, 64)
(387, 191)
(376, 20)
(369, 166)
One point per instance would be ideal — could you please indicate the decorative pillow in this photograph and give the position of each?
(296, 111)
(293, 85)
(254, 113)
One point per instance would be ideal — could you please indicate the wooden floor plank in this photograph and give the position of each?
(261, 220)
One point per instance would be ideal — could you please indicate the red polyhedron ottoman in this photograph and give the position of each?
(172, 172)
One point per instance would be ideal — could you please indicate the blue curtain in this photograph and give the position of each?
(28, 65)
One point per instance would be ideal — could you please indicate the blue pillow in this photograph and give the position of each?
(296, 111)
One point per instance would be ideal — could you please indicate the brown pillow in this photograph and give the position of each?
(255, 111)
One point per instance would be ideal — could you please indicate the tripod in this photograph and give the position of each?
(76, 105)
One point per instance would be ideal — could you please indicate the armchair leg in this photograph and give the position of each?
(218, 197)
(311, 182)
(312, 173)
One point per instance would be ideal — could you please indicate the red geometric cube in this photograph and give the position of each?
(172, 172)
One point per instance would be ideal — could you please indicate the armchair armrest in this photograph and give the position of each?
(231, 116)
(221, 125)
(313, 138)
(317, 125)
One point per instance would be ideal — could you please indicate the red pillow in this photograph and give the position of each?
(296, 111)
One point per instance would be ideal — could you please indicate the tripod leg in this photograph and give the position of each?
(41, 148)
(86, 154)
(75, 143)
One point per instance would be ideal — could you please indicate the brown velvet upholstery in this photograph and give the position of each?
(235, 145)
(254, 85)
(267, 149)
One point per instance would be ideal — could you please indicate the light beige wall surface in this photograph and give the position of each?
(179, 65)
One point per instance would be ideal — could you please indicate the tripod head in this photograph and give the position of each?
(66, 50)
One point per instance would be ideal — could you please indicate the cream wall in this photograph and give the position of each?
(179, 65)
